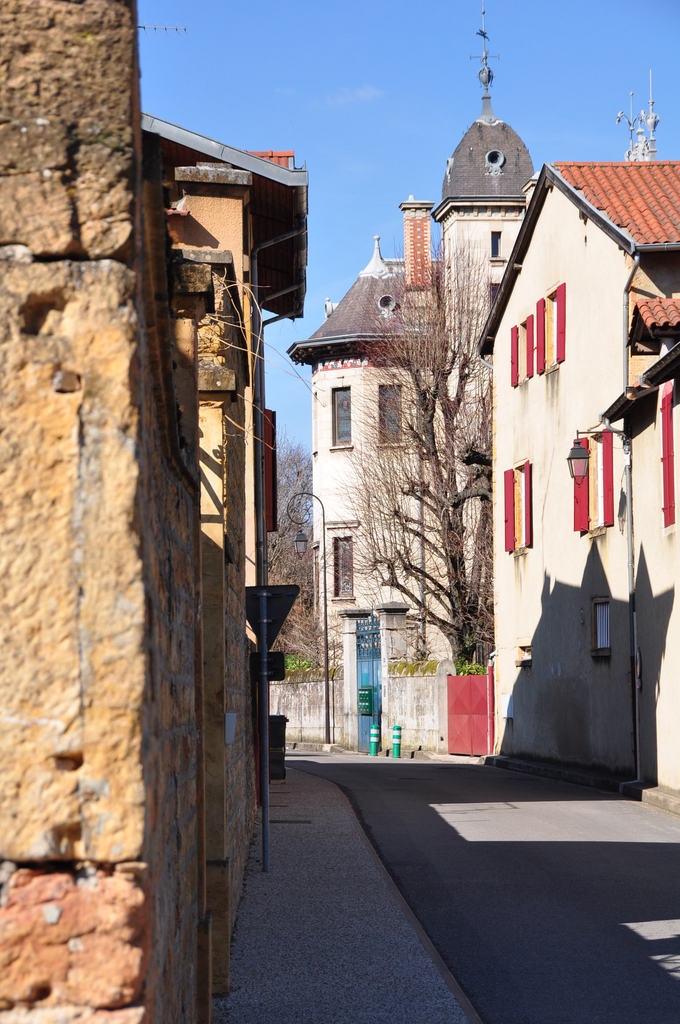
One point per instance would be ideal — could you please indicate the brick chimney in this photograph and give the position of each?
(417, 241)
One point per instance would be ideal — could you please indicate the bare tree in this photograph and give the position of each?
(423, 490)
(300, 633)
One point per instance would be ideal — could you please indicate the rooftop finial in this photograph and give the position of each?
(485, 74)
(644, 148)
(376, 266)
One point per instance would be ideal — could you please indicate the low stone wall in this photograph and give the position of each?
(412, 700)
(301, 699)
(415, 700)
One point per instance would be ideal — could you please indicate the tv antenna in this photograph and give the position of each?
(162, 28)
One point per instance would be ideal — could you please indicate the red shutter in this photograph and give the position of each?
(528, 517)
(667, 454)
(608, 478)
(514, 356)
(530, 346)
(270, 490)
(509, 487)
(581, 496)
(561, 303)
(540, 336)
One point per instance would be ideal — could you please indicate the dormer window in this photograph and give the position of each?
(495, 161)
(387, 304)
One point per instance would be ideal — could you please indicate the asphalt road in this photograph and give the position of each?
(549, 903)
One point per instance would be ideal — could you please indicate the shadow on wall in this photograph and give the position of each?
(653, 617)
(573, 701)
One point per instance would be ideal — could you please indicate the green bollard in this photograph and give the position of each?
(375, 739)
(396, 741)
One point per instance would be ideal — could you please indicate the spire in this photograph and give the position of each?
(485, 74)
(376, 266)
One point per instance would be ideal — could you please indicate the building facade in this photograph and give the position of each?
(584, 568)
(127, 753)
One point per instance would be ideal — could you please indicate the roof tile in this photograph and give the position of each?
(660, 312)
(642, 198)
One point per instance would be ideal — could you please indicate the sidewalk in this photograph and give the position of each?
(324, 937)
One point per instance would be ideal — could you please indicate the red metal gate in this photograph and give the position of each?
(470, 714)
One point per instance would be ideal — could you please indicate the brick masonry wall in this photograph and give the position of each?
(98, 903)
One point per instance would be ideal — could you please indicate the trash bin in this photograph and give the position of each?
(277, 747)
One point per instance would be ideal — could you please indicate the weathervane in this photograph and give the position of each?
(644, 148)
(485, 74)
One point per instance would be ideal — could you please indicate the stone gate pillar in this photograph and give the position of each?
(393, 645)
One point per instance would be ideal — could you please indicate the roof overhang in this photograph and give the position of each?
(665, 368)
(310, 352)
(278, 208)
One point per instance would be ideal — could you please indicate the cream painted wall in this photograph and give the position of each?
(567, 705)
(471, 227)
(334, 473)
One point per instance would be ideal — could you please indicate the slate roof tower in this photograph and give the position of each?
(483, 192)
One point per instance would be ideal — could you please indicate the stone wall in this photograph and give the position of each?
(98, 739)
(301, 698)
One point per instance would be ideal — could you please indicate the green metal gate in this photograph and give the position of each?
(369, 695)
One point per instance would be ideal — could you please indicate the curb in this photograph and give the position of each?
(654, 796)
(550, 771)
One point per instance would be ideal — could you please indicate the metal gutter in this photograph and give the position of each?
(663, 369)
(219, 151)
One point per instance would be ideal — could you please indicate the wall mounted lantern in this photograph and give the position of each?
(578, 460)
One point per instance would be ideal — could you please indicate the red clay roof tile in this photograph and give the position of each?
(660, 312)
(642, 198)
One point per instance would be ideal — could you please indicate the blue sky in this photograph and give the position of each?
(374, 98)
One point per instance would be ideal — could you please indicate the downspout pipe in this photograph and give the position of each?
(626, 316)
(261, 536)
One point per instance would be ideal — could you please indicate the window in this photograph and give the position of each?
(316, 577)
(518, 512)
(551, 333)
(495, 245)
(493, 291)
(601, 642)
(342, 416)
(522, 351)
(529, 345)
(594, 495)
(514, 356)
(343, 571)
(389, 413)
(523, 654)
(667, 454)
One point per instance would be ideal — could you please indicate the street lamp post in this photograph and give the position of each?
(300, 541)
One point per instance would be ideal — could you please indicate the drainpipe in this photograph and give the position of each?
(261, 538)
(491, 703)
(626, 316)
